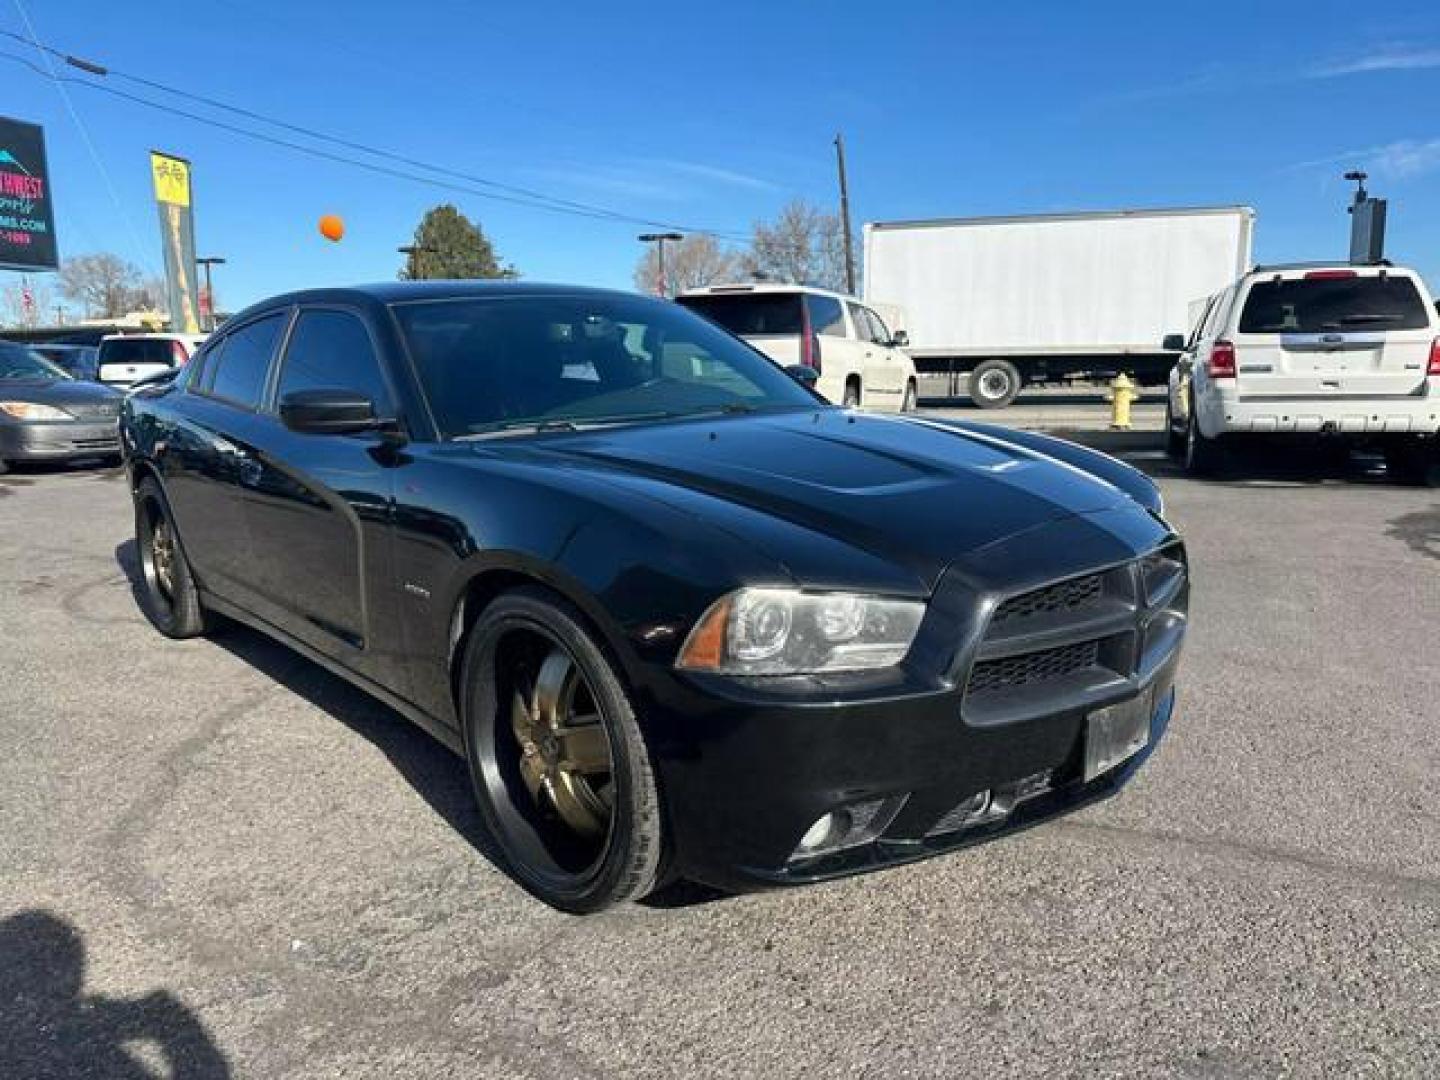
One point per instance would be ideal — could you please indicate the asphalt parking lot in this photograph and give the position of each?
(219, 855)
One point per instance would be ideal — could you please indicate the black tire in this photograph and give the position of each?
(851, 397)
(909, 401)
(538, 848)
(1415, 462)
(994, 384)
(166, 589)
(1202, 456)
(1174, 440)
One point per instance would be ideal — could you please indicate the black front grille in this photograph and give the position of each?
(1054, 599)
(1012, 672)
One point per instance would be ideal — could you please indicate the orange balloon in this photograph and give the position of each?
(332, 227)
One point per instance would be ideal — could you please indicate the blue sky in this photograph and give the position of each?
(715, 115)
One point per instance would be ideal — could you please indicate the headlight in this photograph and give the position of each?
(29, 410)
(787, 632)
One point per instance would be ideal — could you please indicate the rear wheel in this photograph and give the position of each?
(1174, 440)
(1203, 456)
(167, 591)
(851, 400)
(1414, 461)
(557, 760)
(994, 384)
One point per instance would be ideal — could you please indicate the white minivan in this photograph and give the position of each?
(858, 360)
(1346, 351)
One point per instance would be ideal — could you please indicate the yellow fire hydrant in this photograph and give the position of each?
(1122, 392)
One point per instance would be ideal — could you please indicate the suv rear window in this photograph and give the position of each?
(138, 351)
(749, 313)
(1318, 305)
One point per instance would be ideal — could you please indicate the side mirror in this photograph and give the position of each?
(1173, 343)
(805, 376)
(328, 412)
(900, 339)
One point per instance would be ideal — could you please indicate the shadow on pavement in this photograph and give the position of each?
(438, 776)
(50, 1028)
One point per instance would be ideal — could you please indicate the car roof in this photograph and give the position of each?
(1300, 269)
(156, 335)
(741, 288)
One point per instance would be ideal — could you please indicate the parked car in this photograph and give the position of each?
(682, 618)
(857, 360)
(78, 361)
(1345, 352)
(45, 415)
(127, 358)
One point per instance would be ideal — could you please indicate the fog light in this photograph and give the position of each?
(828, 830)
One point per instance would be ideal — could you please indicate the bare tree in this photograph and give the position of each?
(803, 246)
(103, 284)
(14, 311)
(690, 263)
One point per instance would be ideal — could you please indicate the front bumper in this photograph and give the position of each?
(744, 775)
(59, 440)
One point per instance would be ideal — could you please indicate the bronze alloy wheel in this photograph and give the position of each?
(564, 752)
(162, 555)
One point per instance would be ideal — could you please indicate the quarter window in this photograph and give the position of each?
(826, 315)
(331, 350)
(237, 373)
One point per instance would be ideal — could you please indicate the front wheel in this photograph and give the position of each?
(1174, 440)
(994, 384)
(559, 766)
(907, 404)
(851, 398)
(167, 591)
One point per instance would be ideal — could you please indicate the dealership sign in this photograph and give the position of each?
(27, 218)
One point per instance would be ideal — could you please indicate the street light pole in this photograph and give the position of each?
(658, 239)
(207, 262)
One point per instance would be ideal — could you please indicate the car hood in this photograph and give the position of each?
(911, 492)
(86, 397)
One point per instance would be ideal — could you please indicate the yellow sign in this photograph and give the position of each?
(172, 179)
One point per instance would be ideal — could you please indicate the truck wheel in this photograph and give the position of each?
(994, 384)
(1203, 456)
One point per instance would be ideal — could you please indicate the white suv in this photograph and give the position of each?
(1311, 349)
(125, 359)
(858, 361)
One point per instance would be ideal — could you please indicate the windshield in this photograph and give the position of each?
(752, 314)
(1320, 305)
(503, 363)
(18, 362)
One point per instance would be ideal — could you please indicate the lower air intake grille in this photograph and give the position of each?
(989, 676)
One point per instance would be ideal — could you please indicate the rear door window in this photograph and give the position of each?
(1329, 304)
(750, 314)
(237, 372)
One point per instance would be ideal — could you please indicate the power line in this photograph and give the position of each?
(45, 53)
(516, 195)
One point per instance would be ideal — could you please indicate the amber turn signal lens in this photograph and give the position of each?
(705, 647)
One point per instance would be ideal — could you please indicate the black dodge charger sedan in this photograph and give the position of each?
(682, 618)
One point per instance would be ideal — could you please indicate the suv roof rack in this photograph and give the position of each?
(1263, 268)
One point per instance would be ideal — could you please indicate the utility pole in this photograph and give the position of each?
(207, 262)
(845, 215)
(658, 239)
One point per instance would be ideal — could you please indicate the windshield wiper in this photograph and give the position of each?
(519, 427)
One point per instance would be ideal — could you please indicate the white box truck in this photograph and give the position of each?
(1016, 301)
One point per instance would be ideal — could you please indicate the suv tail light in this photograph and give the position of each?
(809, 340)
(1434, 367)
(178, 355)
(1222, 361)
